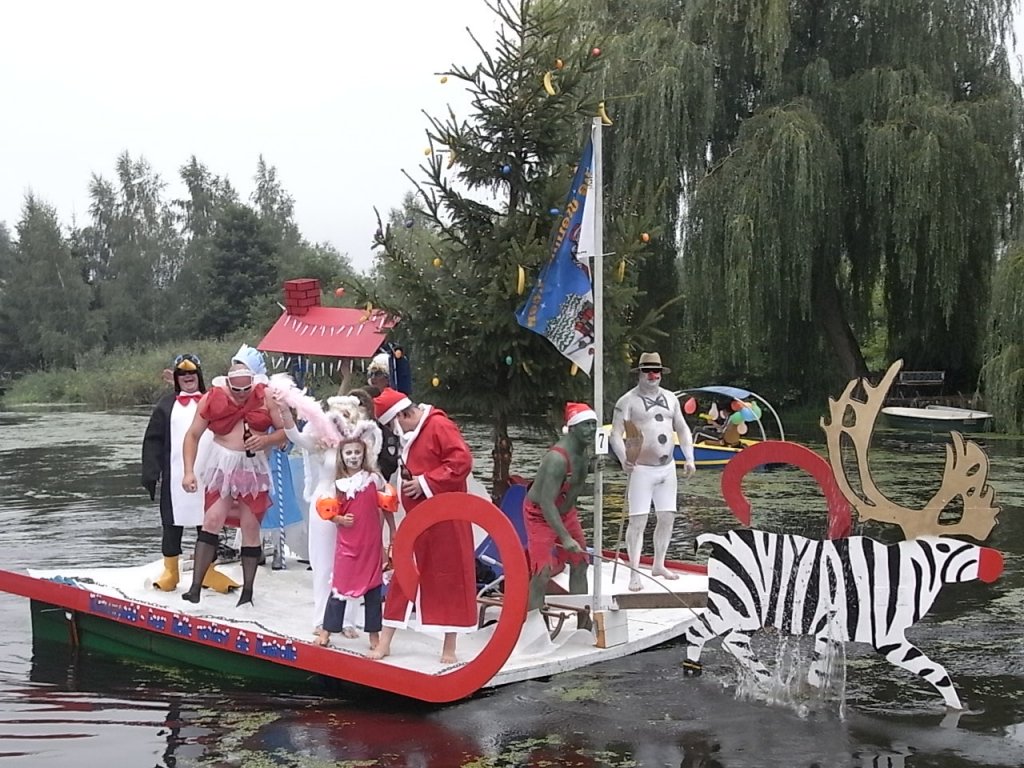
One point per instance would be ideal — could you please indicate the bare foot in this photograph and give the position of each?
(634, 583)
(379, 652)
(374, 640)
(350, 632)
(323, 638)
(665, 574)
(449, 658)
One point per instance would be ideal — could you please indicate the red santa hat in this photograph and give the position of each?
(389, 404)
(578, 412)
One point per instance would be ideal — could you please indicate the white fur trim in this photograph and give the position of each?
(423, 484)
(581, 417)
(350, 486)
(408, 438)
(394, 410)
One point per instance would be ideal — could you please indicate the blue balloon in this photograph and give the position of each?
(506, 169)
(748, 415)
(554, 211)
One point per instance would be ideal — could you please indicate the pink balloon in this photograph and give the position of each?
(690, 406)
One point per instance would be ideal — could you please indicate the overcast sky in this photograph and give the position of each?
(330, 93)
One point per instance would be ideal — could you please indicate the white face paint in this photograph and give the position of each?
(352, 455)
(650, 380)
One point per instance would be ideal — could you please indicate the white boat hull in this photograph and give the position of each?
(936, 418)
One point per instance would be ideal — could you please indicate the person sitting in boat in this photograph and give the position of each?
(554, 535)
(234, 472)
(655, 413)
(161, 464)
(355, 511)
(435, 460)
(719, 430)
(709, 431)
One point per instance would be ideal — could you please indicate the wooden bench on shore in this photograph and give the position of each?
(911, 385)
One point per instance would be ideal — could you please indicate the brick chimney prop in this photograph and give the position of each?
(300, 295)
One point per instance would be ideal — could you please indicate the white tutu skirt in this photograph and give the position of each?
(231, 473)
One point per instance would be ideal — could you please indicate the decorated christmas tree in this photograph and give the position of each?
(490, 195)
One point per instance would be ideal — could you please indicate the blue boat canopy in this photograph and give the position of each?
(734, 392)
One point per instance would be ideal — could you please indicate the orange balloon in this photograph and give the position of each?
(690, 406)
(387, 499)
(339, 292)
(736, 405)
(328, 507)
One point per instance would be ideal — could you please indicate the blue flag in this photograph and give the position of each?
(560, 306)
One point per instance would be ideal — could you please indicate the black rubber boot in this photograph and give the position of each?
(206, 553)
(250, 564)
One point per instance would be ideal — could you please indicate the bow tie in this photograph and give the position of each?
(195, 397)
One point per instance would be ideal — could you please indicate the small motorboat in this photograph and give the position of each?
(714, 451)
(938, 418)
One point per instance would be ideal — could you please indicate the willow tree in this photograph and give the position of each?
(855, 145)
(658, 85)
(1003, 374)
(490, 191)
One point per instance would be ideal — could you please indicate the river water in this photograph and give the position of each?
(69, 494)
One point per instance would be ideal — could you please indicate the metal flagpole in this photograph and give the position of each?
(597, 274)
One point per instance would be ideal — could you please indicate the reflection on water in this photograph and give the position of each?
(69, 494)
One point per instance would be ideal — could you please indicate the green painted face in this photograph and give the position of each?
(585, 431)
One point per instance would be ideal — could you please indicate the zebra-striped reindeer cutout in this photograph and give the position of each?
(846, 589)
(854, 589)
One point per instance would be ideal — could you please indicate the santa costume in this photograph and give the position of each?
(436, 455)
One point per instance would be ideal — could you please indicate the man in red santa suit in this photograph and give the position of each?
(435, 459)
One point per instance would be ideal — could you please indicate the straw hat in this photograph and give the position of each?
(650, 361)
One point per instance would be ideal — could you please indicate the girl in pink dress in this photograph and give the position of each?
(359, 549)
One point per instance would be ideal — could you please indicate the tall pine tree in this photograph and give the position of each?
(243, 271)
(46, 301)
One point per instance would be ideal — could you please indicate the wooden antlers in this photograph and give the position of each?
(965, 474)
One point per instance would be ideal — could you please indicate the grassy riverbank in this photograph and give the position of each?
(117, 379)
